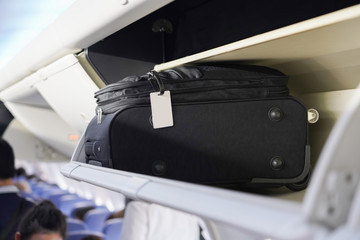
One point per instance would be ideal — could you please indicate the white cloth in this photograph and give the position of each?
(144, 221)
(9, 189)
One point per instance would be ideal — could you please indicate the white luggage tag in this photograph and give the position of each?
(161, 109)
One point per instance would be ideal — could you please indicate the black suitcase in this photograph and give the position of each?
(230, 126)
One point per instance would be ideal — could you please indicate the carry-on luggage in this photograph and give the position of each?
(220, 126)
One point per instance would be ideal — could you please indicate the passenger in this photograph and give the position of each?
(81, 212)
(21, 180)
(23, 187)
(21, 173)
(12, 205)
(43, 222)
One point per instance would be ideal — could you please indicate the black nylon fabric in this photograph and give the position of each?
(213, 143)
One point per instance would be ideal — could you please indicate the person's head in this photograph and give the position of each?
(43, 222)
(20, 172)
(80, 213)
(7, 161)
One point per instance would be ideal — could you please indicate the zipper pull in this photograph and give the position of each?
(99, 115)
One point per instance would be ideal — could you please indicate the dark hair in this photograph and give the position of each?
(20, 172)
(43, 218)
(80, 213)
(7, 160)
(91, 237)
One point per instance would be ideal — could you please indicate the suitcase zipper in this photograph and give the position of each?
(123, 85)
(174, 91)
(116, 102)
(206, 88)
(100, 110)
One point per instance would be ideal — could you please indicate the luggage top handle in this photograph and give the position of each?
(153, 75)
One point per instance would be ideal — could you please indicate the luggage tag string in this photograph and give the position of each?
(153, 75)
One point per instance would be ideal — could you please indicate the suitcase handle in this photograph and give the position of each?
(153, 75)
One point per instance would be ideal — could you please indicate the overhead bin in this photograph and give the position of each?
(55, 103)
(319, 54)
(69, 90)
(321, 57)
(33, 112)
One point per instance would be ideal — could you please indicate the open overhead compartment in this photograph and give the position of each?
(321, 57)
(69, 90)
(318, 54)
(55, 103)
